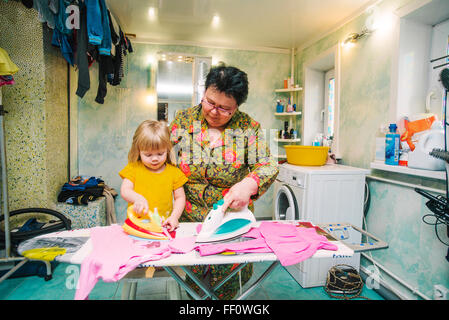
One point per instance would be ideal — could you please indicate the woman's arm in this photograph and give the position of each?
(263, 170)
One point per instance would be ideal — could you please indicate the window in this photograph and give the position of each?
(329, 104)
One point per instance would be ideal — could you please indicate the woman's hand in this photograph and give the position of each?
(239, 194)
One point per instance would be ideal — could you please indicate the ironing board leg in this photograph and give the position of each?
(126, 290)
(258, 281)
(133, 290)
(223, 281)
(210, 291)
(182, 283)
(129, 290)
(205, 287)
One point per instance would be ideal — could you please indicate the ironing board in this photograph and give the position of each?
(78, 245)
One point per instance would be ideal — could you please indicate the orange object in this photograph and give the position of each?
(285, 84)
(412, 127)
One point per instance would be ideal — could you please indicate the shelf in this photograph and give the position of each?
(440, 175)
(287, 140)
(295, 113)
(288, 90)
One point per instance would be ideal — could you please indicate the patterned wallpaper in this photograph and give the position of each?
(36, 123)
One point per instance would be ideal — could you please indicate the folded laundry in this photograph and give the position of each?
(81, 190)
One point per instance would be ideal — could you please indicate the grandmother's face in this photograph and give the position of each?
(217, 107)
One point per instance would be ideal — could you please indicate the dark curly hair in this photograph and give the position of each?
(229, 80)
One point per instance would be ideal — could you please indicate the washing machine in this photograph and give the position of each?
(326, 194)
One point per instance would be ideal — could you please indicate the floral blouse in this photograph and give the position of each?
(212, 169)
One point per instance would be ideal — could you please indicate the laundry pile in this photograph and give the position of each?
(86, 31)
(114, 253)
(81, 190)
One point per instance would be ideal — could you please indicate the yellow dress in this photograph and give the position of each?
(157, 188)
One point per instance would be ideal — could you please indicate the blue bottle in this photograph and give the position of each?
(279, 107)
(392, 146)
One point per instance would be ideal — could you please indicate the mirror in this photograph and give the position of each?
(179, 82)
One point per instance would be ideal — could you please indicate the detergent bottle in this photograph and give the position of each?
(392, 146)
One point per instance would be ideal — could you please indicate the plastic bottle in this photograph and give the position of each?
(279, 107)
(289, 106)
(380, 143)
(392, 146)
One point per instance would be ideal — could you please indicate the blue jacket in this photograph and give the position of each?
(98, 30)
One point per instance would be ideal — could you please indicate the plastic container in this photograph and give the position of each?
(279, 107)
(428, 140)
(392, 146)
(306, 155)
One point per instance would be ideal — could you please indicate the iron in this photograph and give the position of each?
(220, 226)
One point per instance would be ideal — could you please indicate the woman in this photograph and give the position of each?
(223, 153)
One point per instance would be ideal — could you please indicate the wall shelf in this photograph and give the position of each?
(287, 140)
(440, 175)
(295, 113)
(288, 90)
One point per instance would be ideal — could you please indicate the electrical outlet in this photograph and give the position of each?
(440, 292)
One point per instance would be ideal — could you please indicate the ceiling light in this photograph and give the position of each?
(215, 20)
(150, 59)
(152, 13)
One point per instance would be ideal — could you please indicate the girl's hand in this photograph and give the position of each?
(171, 223)
(141, 206)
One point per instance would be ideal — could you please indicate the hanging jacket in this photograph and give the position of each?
(98, 25)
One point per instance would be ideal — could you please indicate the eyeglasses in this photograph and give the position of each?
(220, 110)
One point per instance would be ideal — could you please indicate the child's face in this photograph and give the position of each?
(153, 159)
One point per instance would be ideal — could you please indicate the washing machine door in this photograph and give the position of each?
(286, 207)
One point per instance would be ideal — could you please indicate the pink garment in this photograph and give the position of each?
(290, 244)
(113, 255)
(183, 245)
(249, 246)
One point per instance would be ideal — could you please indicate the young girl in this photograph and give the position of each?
(150, 179)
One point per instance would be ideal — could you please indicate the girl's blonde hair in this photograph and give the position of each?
(151, 135)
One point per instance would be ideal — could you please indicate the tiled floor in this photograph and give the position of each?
(279, 285)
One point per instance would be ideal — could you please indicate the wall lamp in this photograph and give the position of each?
(354, 37)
